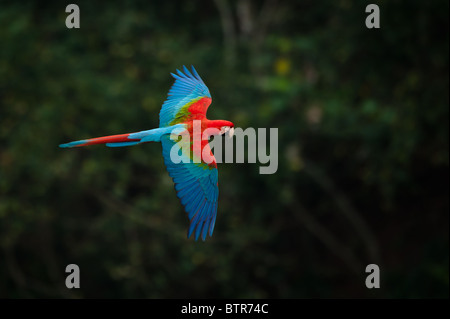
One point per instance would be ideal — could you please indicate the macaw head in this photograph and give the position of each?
(220, 127)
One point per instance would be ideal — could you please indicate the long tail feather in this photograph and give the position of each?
(126, 139)
(101, 140)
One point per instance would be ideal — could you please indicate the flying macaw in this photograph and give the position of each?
(196, 182)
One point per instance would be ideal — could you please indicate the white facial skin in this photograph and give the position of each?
(227, 129)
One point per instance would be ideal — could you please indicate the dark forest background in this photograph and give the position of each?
(363, 149)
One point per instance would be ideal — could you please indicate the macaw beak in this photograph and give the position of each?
(231, 132)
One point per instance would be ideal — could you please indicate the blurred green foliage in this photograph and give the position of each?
(363, 149)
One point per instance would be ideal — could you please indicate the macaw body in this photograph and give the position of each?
(195, 177)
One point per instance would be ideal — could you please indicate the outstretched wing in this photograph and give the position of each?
(188, 95)
(197, 188)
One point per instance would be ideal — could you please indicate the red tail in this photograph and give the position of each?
(101, 140)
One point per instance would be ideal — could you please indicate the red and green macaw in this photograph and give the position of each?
(196, 181)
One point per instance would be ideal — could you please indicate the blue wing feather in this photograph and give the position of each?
(194, 219)
(187, 87)
(196, 186)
